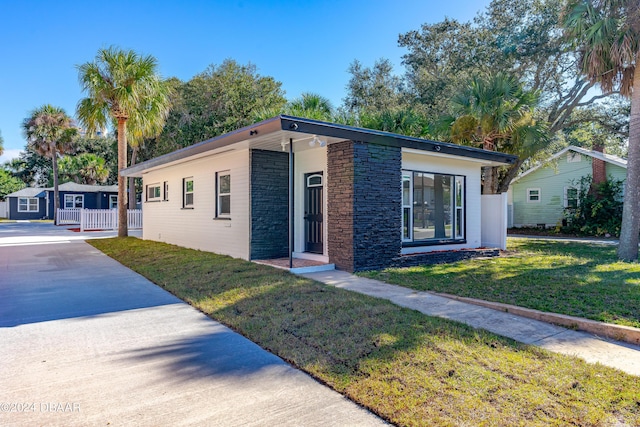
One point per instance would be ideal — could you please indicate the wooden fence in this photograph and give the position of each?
(98, 219)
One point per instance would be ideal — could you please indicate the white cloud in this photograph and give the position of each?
(9, 155)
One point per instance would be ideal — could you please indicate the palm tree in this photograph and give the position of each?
(85, 168)
(122, 86)
(49, 132)
(496, 112)
(309, 105)
(1, 145)
(607, 33)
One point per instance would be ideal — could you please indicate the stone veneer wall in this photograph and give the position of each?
(443, 257)
(269, 187)
(364, 205)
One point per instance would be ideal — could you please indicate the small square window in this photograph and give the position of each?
(153, 192)
(533, 195)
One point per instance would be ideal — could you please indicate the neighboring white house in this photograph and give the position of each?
(293, 187)
(538, 196)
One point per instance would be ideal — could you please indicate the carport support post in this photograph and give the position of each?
(291, 207)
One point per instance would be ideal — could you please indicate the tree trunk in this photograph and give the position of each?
(489, 184)
(628, 248)
(503, 185)
(56, 194)
(132, 183)
(122, 183)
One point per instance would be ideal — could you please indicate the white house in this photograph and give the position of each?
(301, 188)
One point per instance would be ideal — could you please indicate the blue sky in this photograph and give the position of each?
(306, 45)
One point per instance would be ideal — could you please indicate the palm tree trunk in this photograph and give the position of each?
(56, 194)
(132, 183)
(122, 183)
(628, 248)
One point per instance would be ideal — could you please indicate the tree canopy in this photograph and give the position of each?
(123, 86)
(50, 132)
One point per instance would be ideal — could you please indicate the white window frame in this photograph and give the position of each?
(153, 192)
(531, 190)
(70, 201)
(113, 201)
(165, 196)
(457, 235)
(28, 204)
(220, 194)
(185, 193)
(566, 196)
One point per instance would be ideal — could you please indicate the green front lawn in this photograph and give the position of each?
(577, 279)
(409, 368)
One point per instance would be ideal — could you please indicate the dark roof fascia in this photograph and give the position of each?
(221, 141)
(297, 124)
(316, 127)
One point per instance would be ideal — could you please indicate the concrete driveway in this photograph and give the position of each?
(86, 341)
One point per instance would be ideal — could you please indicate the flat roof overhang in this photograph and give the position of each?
(275, 134)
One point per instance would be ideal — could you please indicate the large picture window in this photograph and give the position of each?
(433, 207)
(28, 204)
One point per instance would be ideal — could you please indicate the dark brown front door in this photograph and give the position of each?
(313, 231)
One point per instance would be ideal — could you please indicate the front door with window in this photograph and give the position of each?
(313, 230)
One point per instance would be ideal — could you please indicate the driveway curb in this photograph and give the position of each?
(616, 332)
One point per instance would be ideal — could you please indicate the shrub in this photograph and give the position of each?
(599, 210)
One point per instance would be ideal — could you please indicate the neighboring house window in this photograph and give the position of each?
(570, 197)
(113, 201)
(187, 190)
(573, 157)
(433, 207)
(166, 191)
(73, 201)
(28, 204)
(153, 192)
(533, 195)
(223, 194)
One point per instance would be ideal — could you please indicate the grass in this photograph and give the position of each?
(409, 368)
(577, 279)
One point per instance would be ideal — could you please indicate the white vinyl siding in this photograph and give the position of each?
(197, 228)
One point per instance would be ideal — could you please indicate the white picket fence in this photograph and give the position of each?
(98, 219)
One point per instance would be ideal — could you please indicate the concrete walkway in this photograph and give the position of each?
(87, 342)
(591, 348)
